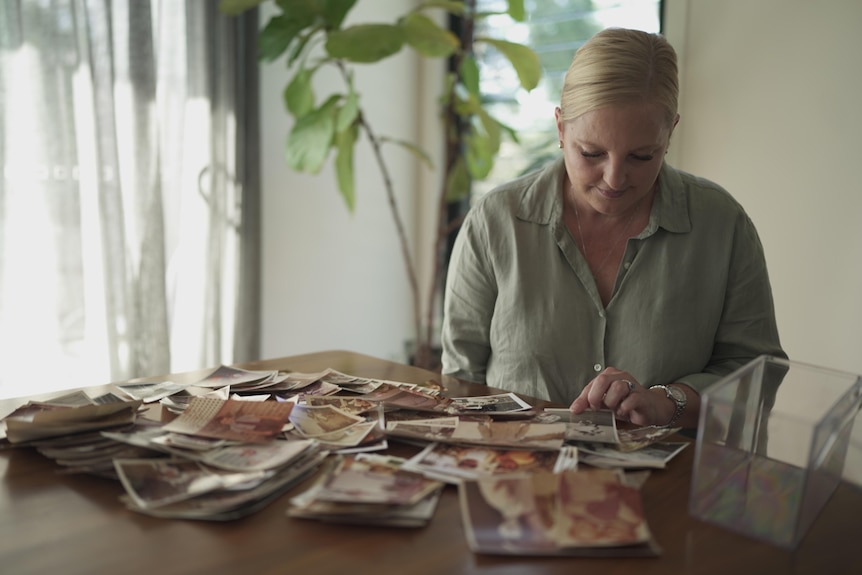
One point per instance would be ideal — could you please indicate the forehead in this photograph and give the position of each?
(630, 126)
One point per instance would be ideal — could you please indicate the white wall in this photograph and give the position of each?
(332, 280)
(771, 94)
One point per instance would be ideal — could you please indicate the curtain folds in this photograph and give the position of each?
(129, 205)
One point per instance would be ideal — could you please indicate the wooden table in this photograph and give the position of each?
(67, 524)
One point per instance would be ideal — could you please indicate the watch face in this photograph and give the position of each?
(676, 393)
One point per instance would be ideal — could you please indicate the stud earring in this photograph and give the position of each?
(561, 144)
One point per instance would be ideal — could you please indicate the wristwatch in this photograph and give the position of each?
(679, 399)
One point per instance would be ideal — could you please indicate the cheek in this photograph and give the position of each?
(585, 170)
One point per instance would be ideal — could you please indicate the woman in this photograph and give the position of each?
(608, 272)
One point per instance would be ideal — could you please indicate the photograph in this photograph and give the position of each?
(498, 403)
(572, 512)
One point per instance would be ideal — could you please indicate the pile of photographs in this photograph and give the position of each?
(229, 444)
(369, 489)
(234, 440)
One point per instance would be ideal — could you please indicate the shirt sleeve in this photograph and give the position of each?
(469, 300)
(748, 327)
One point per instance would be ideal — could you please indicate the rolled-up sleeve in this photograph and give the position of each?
(747, 328)
(469, 300)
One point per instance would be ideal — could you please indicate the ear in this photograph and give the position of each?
(558, 115)
(672, 128)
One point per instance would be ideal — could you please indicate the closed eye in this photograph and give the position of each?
(638, 157)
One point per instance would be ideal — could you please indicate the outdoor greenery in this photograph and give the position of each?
(312, 34)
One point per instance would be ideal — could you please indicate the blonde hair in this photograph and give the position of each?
(621, 66)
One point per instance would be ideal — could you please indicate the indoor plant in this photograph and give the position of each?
(312, 34)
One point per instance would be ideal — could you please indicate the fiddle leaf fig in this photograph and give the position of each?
(348, 113)
(516, 10)
(365, 43)
(311, 35)
(427, 38)
(279, 32)
(344, 145)
(523, 59)
(311, 137)
(333, 11)
(493, 131)
(299, 95)
(479, 154)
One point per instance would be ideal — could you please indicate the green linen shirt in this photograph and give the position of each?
(692, 300)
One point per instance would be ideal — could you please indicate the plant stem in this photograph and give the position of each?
(409, 265)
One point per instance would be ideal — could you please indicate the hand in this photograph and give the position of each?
(620, 392)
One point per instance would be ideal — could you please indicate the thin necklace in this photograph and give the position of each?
(613, 244)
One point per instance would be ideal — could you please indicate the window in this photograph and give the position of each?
(127, 214)
(554, 29)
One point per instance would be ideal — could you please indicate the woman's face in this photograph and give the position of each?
(613, 155)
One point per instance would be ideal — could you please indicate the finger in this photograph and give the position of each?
(579, 405)
(618, 391)
(582, 403)
(596, 395)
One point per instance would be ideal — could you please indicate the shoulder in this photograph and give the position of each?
(692, 202)
(702, 193)
(529, 197)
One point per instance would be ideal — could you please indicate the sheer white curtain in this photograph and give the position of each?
(128, 207)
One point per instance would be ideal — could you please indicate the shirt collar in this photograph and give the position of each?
(669, 210)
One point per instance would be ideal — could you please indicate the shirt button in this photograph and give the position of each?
(597, 367)
(602, 314)
(627, 265)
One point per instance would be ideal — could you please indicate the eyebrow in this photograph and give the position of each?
(641, 149)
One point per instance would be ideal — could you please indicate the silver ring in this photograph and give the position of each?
(630, 384)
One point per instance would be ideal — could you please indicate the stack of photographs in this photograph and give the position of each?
(369, 489)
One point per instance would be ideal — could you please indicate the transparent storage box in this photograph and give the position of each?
(771, 447)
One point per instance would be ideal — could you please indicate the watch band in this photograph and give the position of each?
(679, 399)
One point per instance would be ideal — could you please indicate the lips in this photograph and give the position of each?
(611, 194)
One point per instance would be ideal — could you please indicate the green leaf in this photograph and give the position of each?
(334, 11)
(492, 129)
(279, 32)
(470, 74)
(300, 45)
(348, 112)
(522, 58)
(344, 144)
(427, 38)
(420, 154)
(235, 7)
(309, 140)
(479, 155)
(457, 182)
(448, 5)
(365, 43)
(516, 10)
(299, 95)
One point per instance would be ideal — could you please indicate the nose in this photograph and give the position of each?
(615, 174)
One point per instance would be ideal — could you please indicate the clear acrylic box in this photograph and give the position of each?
(771, 447)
